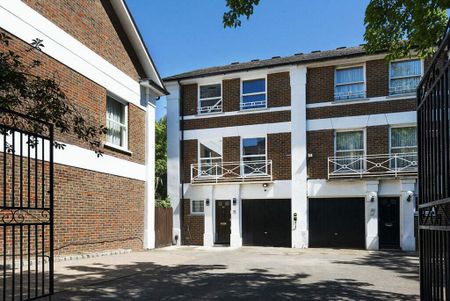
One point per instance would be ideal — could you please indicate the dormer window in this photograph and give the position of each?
(404, 76)
(210, 99)
(253, 94)
(349, 83)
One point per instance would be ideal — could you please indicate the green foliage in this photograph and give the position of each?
(23, 90)
(161, 158)
(163, 203)
(238, 9)
(400, 26)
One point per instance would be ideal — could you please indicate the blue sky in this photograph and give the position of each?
(183, 35)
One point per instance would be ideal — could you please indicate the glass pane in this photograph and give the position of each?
(254, 86)
(255, 165)
(115, 110)
(348, 161)
(210, 102)
(349, 91)
(210, 167)
(211, 149)
(253, 101)
(210, 91)
(254, 146)
(349, 75)
(401, 137)
(347, 141)
(115, 133)
(197, 206)
(406, 68)
(404, 85)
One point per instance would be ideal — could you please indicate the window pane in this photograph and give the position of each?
(254, 86)
(349, 91)
(254, 146)
(403, 137)
(348, 161)
(253, 98)
(115, 133)
(406, 68)
(198, 206)
(404, 85)
(350, 75)
(210, 91)
(346, 141)
(115, 110)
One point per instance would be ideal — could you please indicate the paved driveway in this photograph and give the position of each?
(245, 273)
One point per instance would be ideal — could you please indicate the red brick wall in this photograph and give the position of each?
(279, 151)
(278, 89)
(232, 149)
(194, 226)
(90, 99)
(190, 156)
(377, 138)
(320, 84)
(94, 24)
(321, 145)
(377, 77)
(190, 99)
(231, 94)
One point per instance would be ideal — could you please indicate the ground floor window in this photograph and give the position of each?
(197, 207)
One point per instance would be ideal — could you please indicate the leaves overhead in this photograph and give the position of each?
(400, 26)
(238, 9)
(23, 90)
(161, 158)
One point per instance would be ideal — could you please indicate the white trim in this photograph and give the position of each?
(234, 113)
(22, 21)
(360, 101)
(242, 131)
(125, 125)
(361, 121)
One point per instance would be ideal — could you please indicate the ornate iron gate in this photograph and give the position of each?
(433, 120)
(26, 207)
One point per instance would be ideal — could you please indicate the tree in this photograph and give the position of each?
(161, 159)
(397, 26)
(23, 90)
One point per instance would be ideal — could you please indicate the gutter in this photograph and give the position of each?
(149, 83)
(181, 161)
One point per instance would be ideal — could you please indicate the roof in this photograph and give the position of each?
(137, 42)
(314, 56)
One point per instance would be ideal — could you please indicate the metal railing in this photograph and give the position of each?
(253, 105)
(386, 165)
(216, 108)
(239, 171)
(349, 95)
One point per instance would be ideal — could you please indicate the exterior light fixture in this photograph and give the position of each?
(265, 185)
(234, 201)
(207, 202)
(372, 199)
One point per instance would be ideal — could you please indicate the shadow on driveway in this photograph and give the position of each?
(149, 281)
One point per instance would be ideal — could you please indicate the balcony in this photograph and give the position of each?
(223, 172)
(215, 108)
(390, 165)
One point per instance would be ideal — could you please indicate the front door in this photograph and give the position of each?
(389, 223)
(223, 221)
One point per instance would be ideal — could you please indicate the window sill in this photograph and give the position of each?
(349, 100)
(252, 109)
(196, 214)
(208, 114)
(117, 148)
(402, 95)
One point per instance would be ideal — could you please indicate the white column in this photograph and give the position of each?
(173, 157)
(371, 213)
(208, 236)
(299, 201)
(236, 236)
(149, 215)
(407, 239)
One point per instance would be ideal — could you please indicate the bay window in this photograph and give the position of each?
(404, 76)
(349, 83)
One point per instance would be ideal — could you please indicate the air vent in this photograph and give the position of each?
(255, 60)
(276, 57)
(234, 63)
(315, 51)
(343, 47)
(299, 53)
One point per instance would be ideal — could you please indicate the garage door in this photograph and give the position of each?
(337, 223)
(266, 223)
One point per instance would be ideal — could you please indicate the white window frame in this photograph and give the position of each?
(391, 78)
(199, 100)
(364, 82)
(191, 207)
(123, 147)
(364, 165)
(242, 151)
(400, 127)
(199, 158)
(250, 94)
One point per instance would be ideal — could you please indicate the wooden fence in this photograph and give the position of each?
(163, 227)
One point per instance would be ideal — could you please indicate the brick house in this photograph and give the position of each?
(310, 150)
(95, 51)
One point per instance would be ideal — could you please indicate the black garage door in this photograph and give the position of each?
(266, 223)
(337, 223)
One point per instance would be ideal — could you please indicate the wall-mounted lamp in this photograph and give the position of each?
(265, 185)
(372, 199)
(207, 202)
(234, 201)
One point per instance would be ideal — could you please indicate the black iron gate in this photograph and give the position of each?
(26, 207)
(433, 120)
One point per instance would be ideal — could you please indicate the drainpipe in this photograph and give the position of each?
(181, 161)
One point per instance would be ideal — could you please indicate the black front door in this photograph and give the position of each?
(266, 222)
(223, 221)
(389, 223)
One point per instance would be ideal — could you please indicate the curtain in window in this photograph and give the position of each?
(350, 75)
(404, 143)
(350, 148)
(406, 68)
(349, 83)
(115, 121)
(405, 76)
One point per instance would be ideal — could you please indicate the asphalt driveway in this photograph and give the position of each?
(247, 273)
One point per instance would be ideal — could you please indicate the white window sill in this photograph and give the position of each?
(117, 148)
(350, 100)
(197, 214)
(208, 114)
(402, 95)
(252, 109)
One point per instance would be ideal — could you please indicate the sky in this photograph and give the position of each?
(183, 35)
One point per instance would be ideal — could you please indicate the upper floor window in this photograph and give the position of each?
(254, 156)
(404, 76)
(210, 99)
(116, 122)
(210, 153)
(404, 146)
(253, 94)
(349, 83)
(349, 150)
